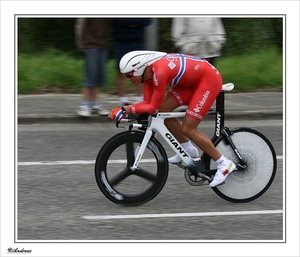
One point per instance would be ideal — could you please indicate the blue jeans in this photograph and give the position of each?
(95, 67)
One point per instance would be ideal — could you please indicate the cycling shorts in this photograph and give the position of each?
(200, 97)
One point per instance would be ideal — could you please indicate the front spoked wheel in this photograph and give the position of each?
(244, 185)
(115, 178)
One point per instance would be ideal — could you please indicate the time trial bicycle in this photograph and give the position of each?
(132, 166)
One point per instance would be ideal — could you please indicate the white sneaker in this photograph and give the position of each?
(97, 109)
(222, 173)
(193, 152)
(84, 111)
(103, 112)
(123, 101)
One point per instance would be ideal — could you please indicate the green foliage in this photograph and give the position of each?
(244, 35)
(165, 38)
(249, 35)
(54, 70)
(48, 58)
(36, 35)
(51, 69)
(261, 70)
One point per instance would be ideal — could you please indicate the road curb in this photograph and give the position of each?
(49, 118)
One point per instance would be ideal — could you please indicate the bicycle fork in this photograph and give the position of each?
(141, 149)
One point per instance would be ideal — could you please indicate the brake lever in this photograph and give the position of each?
(117, 122)
(117, 125)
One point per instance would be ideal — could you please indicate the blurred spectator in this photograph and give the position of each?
(200, 36)
(91, 38)
(128, 35)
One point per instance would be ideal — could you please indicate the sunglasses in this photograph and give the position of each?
(129, 75)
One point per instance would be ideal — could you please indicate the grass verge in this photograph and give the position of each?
(55, 71)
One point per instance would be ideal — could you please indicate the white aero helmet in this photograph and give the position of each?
(138, 61)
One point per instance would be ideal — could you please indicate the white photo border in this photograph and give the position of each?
(9, 10)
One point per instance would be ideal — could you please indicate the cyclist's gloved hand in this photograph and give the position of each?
(117, 113)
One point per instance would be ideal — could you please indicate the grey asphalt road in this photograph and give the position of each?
(57, 191)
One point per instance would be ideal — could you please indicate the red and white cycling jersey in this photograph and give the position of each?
(194, 81)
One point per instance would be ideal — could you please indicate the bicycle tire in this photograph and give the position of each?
(243, 186)
(116, 180)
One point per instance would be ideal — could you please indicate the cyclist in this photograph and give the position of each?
(194, 82)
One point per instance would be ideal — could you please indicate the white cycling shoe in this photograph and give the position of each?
(193, 152)
(222, 173)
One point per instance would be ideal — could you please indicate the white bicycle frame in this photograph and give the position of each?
(156, 123)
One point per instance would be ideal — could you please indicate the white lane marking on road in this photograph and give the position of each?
(54, 163)
(74, 162)
(172, 215)
(82, 162)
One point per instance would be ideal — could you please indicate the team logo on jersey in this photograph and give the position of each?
(155, 80)
(170, 57)
(197, 67)
(200, 104)
(172, 65)
(194, 114)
